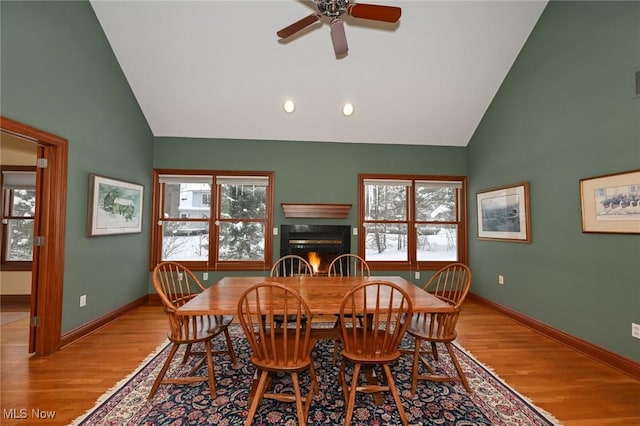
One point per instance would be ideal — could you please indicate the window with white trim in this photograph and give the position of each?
(213, 220)
(412, 222)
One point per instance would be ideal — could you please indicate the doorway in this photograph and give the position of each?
(48, 255)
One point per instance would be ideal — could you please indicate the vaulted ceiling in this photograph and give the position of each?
(216, 69)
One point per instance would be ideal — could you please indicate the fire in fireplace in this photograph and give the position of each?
(319, 244)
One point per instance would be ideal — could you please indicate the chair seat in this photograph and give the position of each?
(420, 327)
(199, 328)
(284, 361)
(360, 349)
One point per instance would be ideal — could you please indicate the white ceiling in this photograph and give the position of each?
(216, 69)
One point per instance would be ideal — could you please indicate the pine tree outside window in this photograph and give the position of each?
(213, 220)
(412, 222)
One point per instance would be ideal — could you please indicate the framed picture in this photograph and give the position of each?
(503, 214)
(611, 203)
(115, 206)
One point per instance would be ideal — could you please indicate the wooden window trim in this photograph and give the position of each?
(412, 263)
(212, 264)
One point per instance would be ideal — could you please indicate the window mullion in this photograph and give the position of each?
(214, 224)
(412, 245)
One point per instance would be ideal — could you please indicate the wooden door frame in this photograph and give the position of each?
(48, 266)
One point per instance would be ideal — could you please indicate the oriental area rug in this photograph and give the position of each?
(492, 401)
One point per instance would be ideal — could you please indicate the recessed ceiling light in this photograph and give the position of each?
(289, 106)
(347, 109)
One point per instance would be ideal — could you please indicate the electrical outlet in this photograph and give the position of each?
(275, 231)
(417, 275)
(501, 279)
(205, 276)
(83, 300)
(355, 231)
(635, 330)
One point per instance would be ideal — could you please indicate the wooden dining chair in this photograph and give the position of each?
(347, 265)
(375, 343)
(285, 349)
(450, 284)
(291, 265)
(176, 285)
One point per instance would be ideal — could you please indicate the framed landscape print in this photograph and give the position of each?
(503, 213)
(115, 206)
(611, 203)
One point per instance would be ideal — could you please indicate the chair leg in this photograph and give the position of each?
(343, 379)
(336, 326)
(163, 371)
(257, 397)
(454, 358)
(254, 384)
(335, 351)
(210, 368)
(187, 353)
(394, 392)
(434, 350)
(416, 365)
(314, 379)
(300, 409)
(352, 394)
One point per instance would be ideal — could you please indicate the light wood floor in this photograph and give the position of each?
(575, 389)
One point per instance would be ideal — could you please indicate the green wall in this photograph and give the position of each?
(58, 74)
(566, 111)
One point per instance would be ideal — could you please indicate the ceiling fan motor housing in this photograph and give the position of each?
(332, 8)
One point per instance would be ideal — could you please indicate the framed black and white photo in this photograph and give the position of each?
(504, 214)
(115, 206)
(611, 203)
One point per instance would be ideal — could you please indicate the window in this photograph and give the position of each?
(18, 210)
(412, 222)
(193, 209)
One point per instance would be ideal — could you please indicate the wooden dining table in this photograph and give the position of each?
(323, 294)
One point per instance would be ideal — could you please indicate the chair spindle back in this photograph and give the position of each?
(176, 285)
(291, 265)
(272, 345)
(384, 324)
(450, 283)
(349, 265)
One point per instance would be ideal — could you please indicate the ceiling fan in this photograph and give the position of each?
(334, 10)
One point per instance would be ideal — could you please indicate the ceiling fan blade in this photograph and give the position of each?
(375, 12)
(298, 26)
(339, 38)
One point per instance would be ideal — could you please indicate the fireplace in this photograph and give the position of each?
(318, 244)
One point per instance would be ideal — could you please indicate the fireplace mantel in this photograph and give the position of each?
(316, 210)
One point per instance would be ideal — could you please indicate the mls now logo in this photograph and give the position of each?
(23, 413)
(14, 413)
